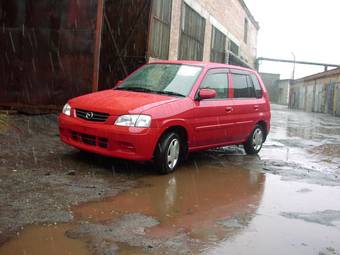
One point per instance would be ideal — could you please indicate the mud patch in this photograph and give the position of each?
(35, 181)
(328, 251)
(291, 171)
(42, 240)
(129, 229)
(238, 222)
(331, 150)
(327, 218)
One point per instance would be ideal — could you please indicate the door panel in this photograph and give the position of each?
(247, 113)
(207, 126)
(211, 124)
(248, 109)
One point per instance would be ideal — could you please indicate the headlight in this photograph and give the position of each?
(143, 121)
(67, 109)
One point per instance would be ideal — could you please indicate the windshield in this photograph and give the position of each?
(170, 79)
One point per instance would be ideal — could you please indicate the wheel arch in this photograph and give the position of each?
(180, 129)
(263, 125)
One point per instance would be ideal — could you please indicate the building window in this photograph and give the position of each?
(161, 23)
(233, 48)
(192, 35)
(246, 25)
(233, 56)
(218, 44)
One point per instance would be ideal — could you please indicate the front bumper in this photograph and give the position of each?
(108, 140)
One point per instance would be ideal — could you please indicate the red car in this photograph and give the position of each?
(166, 109)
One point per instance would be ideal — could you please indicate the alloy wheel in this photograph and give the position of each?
(173, 153)
(257, 139)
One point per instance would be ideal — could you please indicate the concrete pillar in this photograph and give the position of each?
(175, 29)
(207, 41)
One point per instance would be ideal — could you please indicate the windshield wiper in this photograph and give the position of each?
(146, 90)
(136, 89)
(170, 93)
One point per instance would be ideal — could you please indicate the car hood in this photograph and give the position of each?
(118, 102)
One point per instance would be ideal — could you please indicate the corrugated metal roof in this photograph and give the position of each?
(318, 76)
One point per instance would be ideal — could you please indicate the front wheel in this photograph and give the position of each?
(168, 153)
(255, 141)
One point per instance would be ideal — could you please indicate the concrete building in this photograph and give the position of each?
(278, 90)
(283, 87)
(270, 81)
(317, 93)
(51, 51)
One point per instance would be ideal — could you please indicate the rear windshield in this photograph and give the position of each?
(172, 79)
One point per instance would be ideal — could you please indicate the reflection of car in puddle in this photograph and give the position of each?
(192, 200)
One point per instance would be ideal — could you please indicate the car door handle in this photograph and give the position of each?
(256, 107)
(229, 109)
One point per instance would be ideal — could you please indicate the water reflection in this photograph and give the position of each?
(192, 200)
(308, 126)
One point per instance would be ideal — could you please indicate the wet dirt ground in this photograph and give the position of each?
(57, 200)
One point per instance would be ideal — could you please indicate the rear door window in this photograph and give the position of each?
(243, 86)
(257, 86)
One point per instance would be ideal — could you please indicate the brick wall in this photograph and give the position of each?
(228, 15)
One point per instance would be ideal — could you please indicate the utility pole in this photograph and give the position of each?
(294, 63)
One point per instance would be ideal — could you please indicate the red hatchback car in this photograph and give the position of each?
(166, 109)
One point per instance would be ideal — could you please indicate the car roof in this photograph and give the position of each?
(200, 63)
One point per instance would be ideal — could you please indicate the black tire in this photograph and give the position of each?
(255, 141)
(168, 153)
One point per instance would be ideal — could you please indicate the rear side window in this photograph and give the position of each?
(257, 86)
(218, 82)
(243, 86)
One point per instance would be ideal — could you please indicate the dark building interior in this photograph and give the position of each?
(48, 48)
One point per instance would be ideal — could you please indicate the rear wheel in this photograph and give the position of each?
(168, 153)
(255, 141)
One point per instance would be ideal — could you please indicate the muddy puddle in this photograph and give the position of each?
(293, 218)
(212, 209)
(191, 200)
(44, 239)
(190, 204)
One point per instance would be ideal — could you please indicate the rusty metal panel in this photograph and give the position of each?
(124, 39)
(46, 50)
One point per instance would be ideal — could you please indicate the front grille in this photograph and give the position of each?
(92, 116)
(90, 139)
(102, 142)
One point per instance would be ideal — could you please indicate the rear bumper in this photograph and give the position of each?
(108, 140)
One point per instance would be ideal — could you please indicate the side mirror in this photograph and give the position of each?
(206, 94)
(118, 83)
